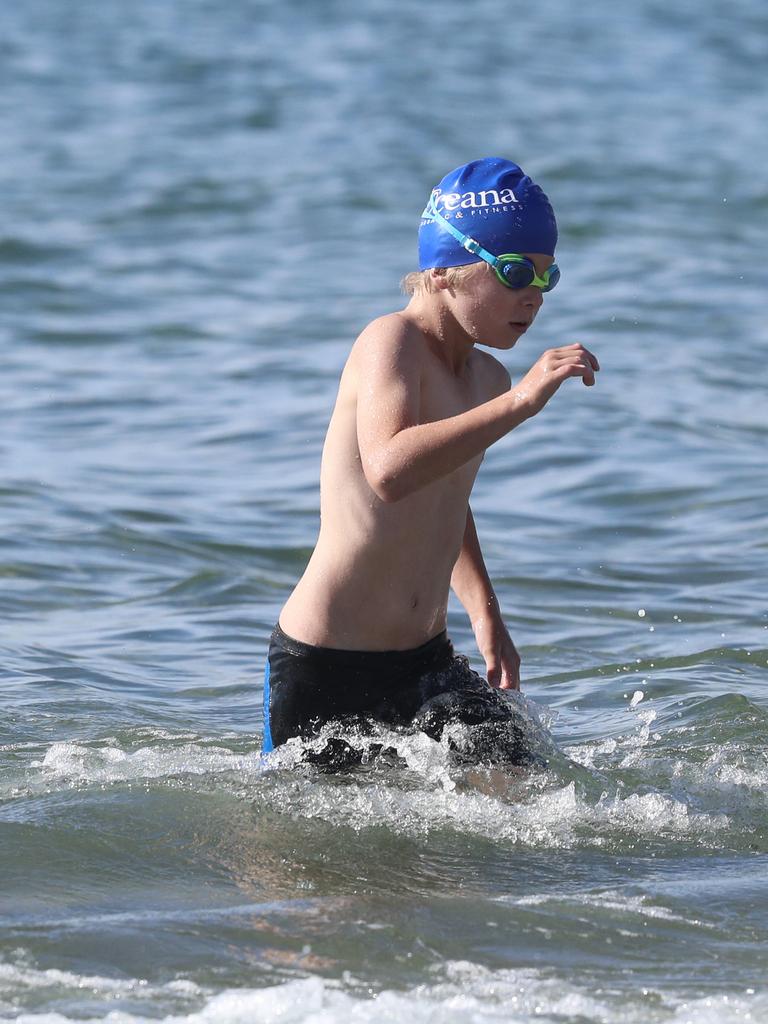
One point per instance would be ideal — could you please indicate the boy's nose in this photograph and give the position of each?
(533, 296)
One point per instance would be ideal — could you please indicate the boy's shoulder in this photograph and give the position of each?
(395, 340)
(391, 338)
(390, 329)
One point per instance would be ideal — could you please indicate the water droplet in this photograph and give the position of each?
(641, 613)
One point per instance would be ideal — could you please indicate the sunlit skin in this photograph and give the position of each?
(484, 311)
(418, 405)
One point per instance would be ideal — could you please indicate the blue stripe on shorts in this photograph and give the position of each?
(267, 744)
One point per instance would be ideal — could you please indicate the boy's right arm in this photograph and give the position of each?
(401, 455)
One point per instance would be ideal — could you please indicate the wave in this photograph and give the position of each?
(644, 785)
(455, 992)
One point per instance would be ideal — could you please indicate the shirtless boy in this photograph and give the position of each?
(363, 633)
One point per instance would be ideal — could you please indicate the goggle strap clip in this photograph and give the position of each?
(464, 240)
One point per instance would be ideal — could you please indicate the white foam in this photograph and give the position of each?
(606, 900)
(167, 755)
(527, 812)
(19, 979)
(729, 778)
(726, 1008)
(586, 754)
(632, 746)
(104, 764)
(533, 808)
(726, 764)
(457, 993)
(538, 808)
(638, 741)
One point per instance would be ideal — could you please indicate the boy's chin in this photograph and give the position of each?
(504, 344)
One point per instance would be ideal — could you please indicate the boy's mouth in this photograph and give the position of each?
(519, 325)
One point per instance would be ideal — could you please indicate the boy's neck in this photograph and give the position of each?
(448, 340)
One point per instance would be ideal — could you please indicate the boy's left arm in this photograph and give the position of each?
(472, 585)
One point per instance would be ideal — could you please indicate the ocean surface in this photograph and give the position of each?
(202, 205)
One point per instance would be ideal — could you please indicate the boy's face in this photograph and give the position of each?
(494, 315)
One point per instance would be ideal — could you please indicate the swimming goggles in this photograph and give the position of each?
(512, 269)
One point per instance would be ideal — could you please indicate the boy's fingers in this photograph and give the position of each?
(577, 367)
(571, 369)
(494, 673)
(591, 357)
(510, 673)
(510, 680)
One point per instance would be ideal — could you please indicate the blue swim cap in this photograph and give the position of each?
(496, 204)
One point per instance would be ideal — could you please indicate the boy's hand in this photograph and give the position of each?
(548, 373)
(501, 658)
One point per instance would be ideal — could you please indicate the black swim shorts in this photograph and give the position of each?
(306, 686)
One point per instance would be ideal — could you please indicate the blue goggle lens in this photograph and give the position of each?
(553, 276)
(519, 273)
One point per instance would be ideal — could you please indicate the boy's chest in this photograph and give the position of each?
(443, 395)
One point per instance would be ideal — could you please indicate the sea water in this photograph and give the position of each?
(202, 205)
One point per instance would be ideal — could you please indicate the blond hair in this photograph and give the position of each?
(419, 282)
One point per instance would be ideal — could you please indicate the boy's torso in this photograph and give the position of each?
(380, 574)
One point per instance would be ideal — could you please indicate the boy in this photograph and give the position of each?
(363, 633)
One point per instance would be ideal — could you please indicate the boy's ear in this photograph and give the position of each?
(439, 278)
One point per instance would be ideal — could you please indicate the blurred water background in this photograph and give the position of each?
(202, 204)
